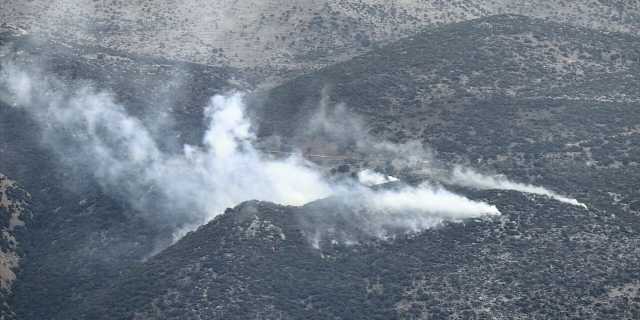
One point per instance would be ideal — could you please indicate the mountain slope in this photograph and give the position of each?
(541, 259)
(274, 37)
(507, 93)
(80, 234)
(510, 57)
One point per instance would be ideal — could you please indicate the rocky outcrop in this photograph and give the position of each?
(14, 213)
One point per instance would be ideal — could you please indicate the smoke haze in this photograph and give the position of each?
(469, 178)
(370, 178)
(182, 190)
(88, 128)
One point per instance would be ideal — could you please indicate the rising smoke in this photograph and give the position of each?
(361, 213)
(468, 177)
(182, 190)
(338, 125)
(372, 178)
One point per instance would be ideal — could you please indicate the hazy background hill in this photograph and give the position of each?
(271, 38)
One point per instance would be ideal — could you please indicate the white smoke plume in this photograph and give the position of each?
(196, 185)
(439, 202)
(183, 190)
(340, 125)
(359, 213)
(371, 178)
(469, 178)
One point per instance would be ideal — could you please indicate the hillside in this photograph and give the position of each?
(507, 93)
(543, 102)
(80, 234)
(541, 259)
(273, 38)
